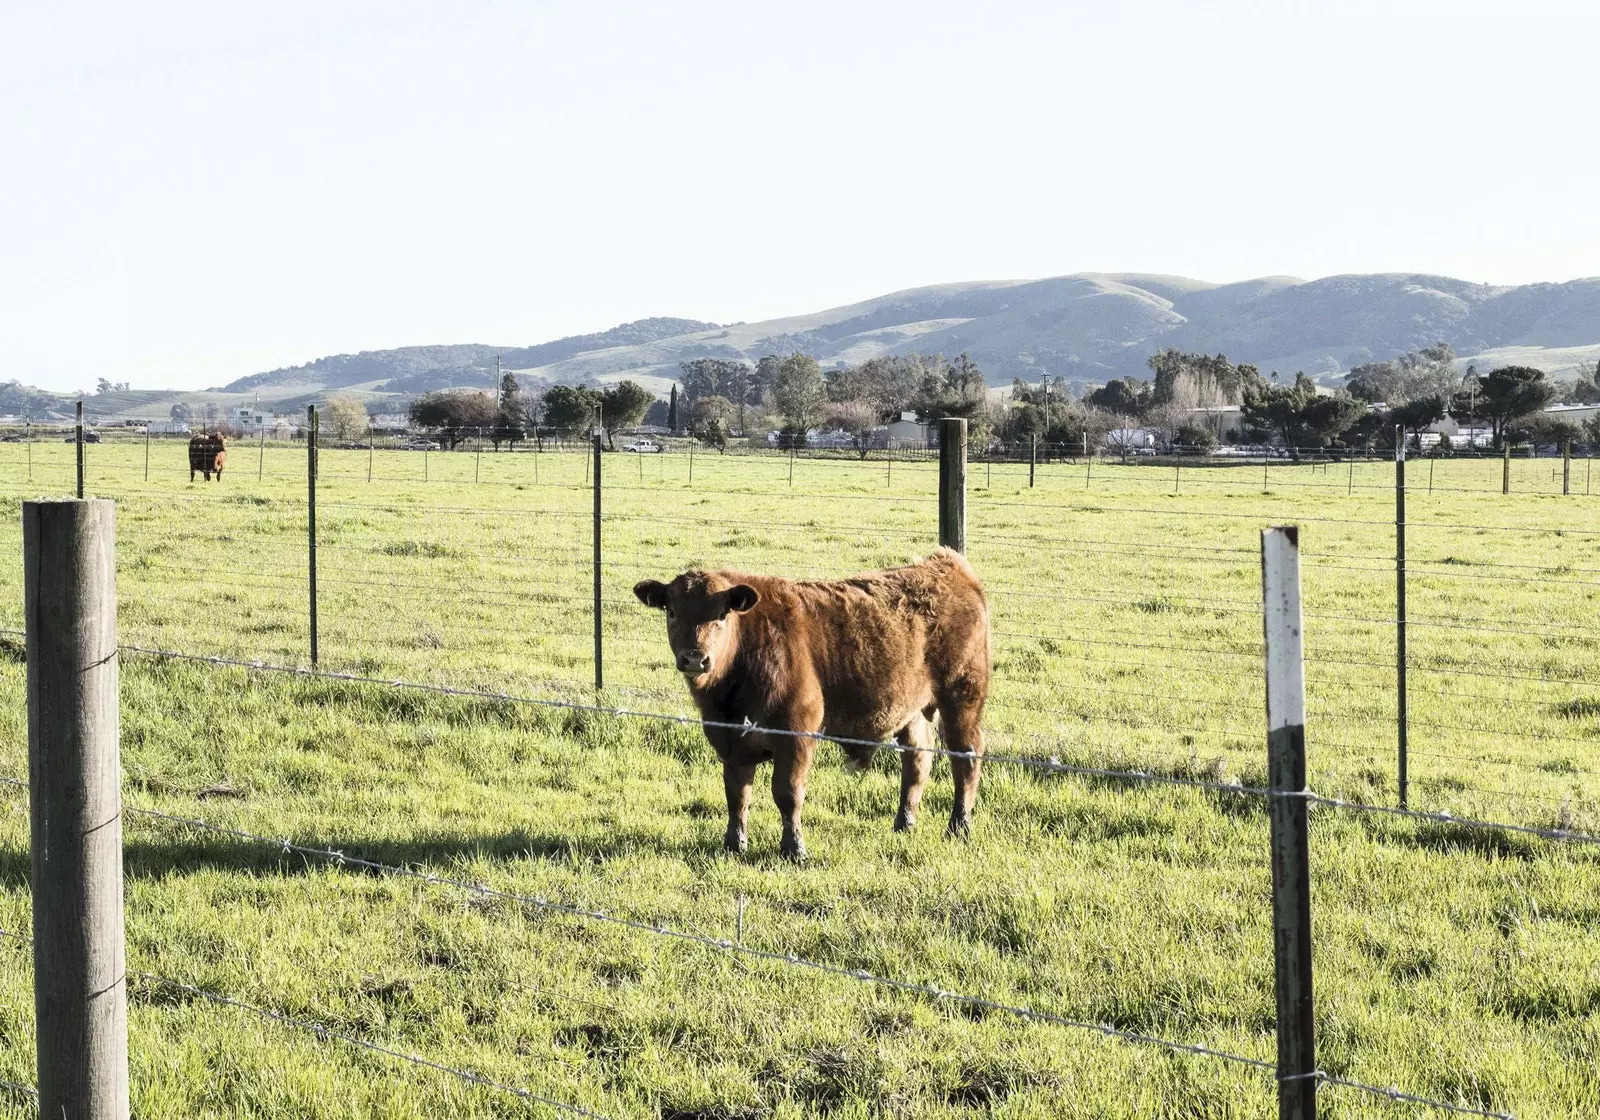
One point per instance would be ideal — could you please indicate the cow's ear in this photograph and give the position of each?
(651, 592)
(743, 597)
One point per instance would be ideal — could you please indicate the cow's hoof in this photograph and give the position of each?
(792, 850)
(734, 842)
(904, 822)
(960, 828)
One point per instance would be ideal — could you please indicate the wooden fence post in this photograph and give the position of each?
(1566, 467)
(1288, 818)
(75, 812)
(1505, 466)
(953, 483)
(79, 449)
(1033, 458)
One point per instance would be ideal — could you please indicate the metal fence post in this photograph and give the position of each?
(1033, 458)
(953, 483)
(147, 451)
(1566, 466)
(599, 655)
(1290, 830)
(1505, 466)
(261, 453)
(477, 461)
(75, 816)
(371, 442)
(1401, 712)
(80, 448)
(311, 518)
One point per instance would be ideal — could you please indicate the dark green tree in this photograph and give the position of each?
(570, 408)
(622, 406)
(1507, 394)
(1125, 396)
(511, 415)
(1415, 415)
(453, 414)
(1298, 415)
(672, 411)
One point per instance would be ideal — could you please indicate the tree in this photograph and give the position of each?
(1197, 438)
(622, 406)
(1543, 430)
(857, 418)
(1415, 415)
(1198, 380)
(1124, 396)
(570, 408)
(672, 411)
(1298, 414)
(1429, 372)
(946, 388)
(1585, 389)
(453, 414)
(1508, 393)
(709, 377)
(510, 415)
(798, 391)
(346, 416)
(103, 387)
(180, 413)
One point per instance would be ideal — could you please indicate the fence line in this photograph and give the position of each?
(323, 1031)
(340, 859)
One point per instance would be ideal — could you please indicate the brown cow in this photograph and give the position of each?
(863, 658)
(207, 454)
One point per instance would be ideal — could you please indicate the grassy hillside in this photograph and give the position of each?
(1458, 964)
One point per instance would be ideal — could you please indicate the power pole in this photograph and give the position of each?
(497, 384)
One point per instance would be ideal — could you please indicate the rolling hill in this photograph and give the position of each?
(1084, 328)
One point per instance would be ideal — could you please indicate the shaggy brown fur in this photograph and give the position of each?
(870, 657)
(206, 455)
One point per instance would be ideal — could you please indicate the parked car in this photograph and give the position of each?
(420, 445)
(88, 437)
(10, 439)
(643, 447)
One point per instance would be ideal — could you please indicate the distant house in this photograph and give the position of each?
(909, 432)
(247, 419)
(167, 428)
(1222, 419)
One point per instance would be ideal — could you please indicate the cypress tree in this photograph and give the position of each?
(672, 411)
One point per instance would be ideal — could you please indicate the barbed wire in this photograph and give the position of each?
(324, 1031)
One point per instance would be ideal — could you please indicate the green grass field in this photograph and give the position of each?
(1458, 964)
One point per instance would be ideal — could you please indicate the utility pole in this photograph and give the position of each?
(496, 384)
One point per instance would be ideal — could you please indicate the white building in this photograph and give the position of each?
(908, 431)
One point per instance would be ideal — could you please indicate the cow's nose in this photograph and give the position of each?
(693, 661)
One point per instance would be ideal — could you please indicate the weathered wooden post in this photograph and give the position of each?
(1505, 466)
(1566, 467)
(75, 812)
(147, 451)
(79, 448)
(1289, 825)
(953, 483)
(1033, 458)
(261, 452)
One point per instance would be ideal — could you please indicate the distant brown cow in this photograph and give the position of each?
(207, 455)
(863, 658)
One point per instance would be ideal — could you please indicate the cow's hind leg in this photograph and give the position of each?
(736, 780)
(963, 737)
(916, 762)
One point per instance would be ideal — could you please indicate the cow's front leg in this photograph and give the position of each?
(791, 766)
(737, 779)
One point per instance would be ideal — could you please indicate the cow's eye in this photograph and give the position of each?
(670, 615)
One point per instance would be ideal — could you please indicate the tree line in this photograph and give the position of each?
(717, 399)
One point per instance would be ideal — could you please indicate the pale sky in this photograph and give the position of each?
(195, 191)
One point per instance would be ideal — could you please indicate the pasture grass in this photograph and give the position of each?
(1454, 963)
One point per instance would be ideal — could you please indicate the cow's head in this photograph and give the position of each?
(701, 609)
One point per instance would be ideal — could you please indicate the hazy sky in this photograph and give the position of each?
(194, 191)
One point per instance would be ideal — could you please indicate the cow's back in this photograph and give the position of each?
(880, 647)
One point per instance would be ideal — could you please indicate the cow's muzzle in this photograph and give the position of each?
(693, 661)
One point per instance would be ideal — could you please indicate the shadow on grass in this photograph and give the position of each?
(186, 852)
